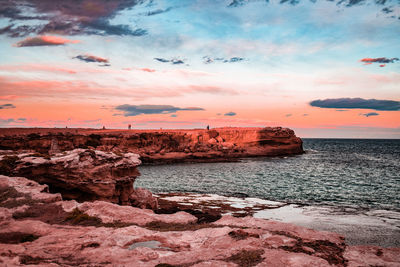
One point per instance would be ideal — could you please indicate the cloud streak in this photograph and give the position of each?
(135, 110)
(173, 61)
(357, 103)
(7, 122)
(7, 106)
(231, 113)
(158, 11)
(90, 58)
(369, 114)
(209, 60)
(381, 60)
(45, 41)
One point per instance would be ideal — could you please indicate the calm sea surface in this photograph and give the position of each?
(355, 173)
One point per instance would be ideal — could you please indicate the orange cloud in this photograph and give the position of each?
(45, 40)
(147, 70)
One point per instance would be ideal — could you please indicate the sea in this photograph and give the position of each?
(348, 186)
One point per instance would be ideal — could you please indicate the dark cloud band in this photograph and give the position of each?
(87, 17)
(91, 58)
(173, 61)
(357, 103)
(369, 114)
(135, 110)
(231, 113)
(209, 60)
(382, 60)
(7, 106)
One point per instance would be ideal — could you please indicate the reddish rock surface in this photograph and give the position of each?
(39, 229)
(160, 146)
(80, 174)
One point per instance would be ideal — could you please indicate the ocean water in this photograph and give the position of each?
(348, 186)
(356, 173)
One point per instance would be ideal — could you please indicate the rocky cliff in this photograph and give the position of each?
(160, 146)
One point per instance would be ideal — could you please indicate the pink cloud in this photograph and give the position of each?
(36, 67)
(9, 97)
(78, 88)
(147, 70)
(209, 89)
(188, 73)
(45, 40)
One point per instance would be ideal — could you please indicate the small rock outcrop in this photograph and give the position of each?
(80, 174)
(38, 228)
(143, 199)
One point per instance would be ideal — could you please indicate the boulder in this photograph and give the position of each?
(82, 174)
(143, 199)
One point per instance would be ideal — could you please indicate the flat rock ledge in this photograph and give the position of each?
(38, 228)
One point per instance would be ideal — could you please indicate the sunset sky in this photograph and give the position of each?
(323, 68)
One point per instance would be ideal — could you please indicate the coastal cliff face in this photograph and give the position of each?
(162, 146)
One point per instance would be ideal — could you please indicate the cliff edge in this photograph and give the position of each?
(160, 146)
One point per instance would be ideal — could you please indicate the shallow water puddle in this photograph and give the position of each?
(146, 244)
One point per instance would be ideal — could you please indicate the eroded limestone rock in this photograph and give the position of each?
(82, 174)
(68, 233)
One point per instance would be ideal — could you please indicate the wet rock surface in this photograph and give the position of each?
(68, 233)
(161, 146)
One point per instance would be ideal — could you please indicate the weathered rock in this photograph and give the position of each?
(110, 213)
(107, 234)
(143, 199)
(82, 174)
(164, 146)
(372, 256)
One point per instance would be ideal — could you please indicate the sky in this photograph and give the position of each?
(323, 68)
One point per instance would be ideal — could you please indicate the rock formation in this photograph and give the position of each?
(40, 229)
(81, 174)
(161, 146)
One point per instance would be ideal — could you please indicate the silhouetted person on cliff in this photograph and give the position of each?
(208, 127)
(129, 126)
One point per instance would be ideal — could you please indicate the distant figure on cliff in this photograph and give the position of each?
(129, 126)
(208, 127)
(104, 127)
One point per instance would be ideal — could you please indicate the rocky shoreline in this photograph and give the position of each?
(78, 207)
(40, 229)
